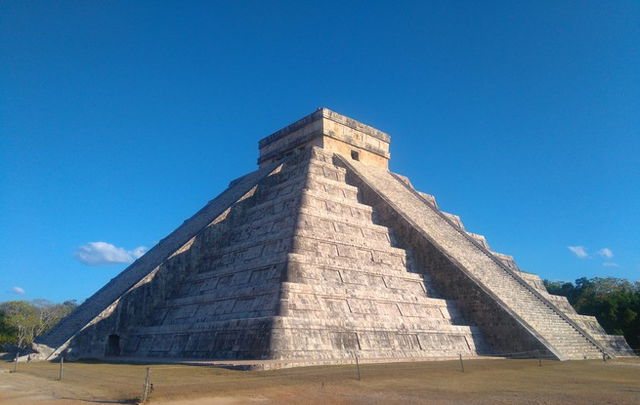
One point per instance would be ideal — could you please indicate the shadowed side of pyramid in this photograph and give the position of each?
(102, 304)
(321, 255)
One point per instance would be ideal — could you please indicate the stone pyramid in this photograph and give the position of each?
(319, 255)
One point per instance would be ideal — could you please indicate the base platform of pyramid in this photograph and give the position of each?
(320, 255)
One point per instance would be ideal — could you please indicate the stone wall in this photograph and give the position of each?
(332, 132)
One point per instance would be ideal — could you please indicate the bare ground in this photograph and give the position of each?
(483, 382)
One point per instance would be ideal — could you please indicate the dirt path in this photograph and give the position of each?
(25, 389)
(483, 382)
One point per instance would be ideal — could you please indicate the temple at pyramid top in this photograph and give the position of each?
(332, 131)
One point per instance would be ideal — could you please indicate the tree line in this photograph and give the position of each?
(614, 302)
(22, 321)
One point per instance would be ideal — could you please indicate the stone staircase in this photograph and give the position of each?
(612, 343)
(549, 325)
(348, 276)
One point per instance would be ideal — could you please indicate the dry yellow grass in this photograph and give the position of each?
(483, 382)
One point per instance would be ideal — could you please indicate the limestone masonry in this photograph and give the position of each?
(320, 255)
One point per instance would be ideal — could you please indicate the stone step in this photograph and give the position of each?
(263, 246)
(317, 164)
(223, 294)
(200, 327)
(378, 294)
(359, 223)
(479, 238)
(322, 183)
(429, 197)
(314, 198)
(288, 202)
(423, 319)
(261, 229)
(287, 171)
(356, 279)
(327, 170)
(455, 219)
(321, 156)
(340, 255)
(325, 324)
(226, 264)
(235, 268)
(208, 314)
(507, 260)
(345, 324)
(317, 263)
(290, 185)
(346, 263)
(376, 243)
(571, 345)
(318, 228)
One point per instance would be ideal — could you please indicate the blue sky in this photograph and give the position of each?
(118, 120)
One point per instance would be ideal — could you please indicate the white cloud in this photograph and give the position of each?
(103, 253)
(606, 252)
(579, 251)
(18, 290)
(610, 264)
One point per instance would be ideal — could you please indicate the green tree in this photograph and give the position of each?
(22, 321)
(614, 302)
(21, 317)
(7, 333)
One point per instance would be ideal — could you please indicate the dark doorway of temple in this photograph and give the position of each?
(113, 346)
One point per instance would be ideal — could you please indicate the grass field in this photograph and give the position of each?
(482, 382)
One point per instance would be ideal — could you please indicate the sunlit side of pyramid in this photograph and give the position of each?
(319, 255)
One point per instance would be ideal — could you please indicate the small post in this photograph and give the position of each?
(461, 363)
(61, 371)
(145, 391)
(539, 358)
(15, 364)
(357, 367)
